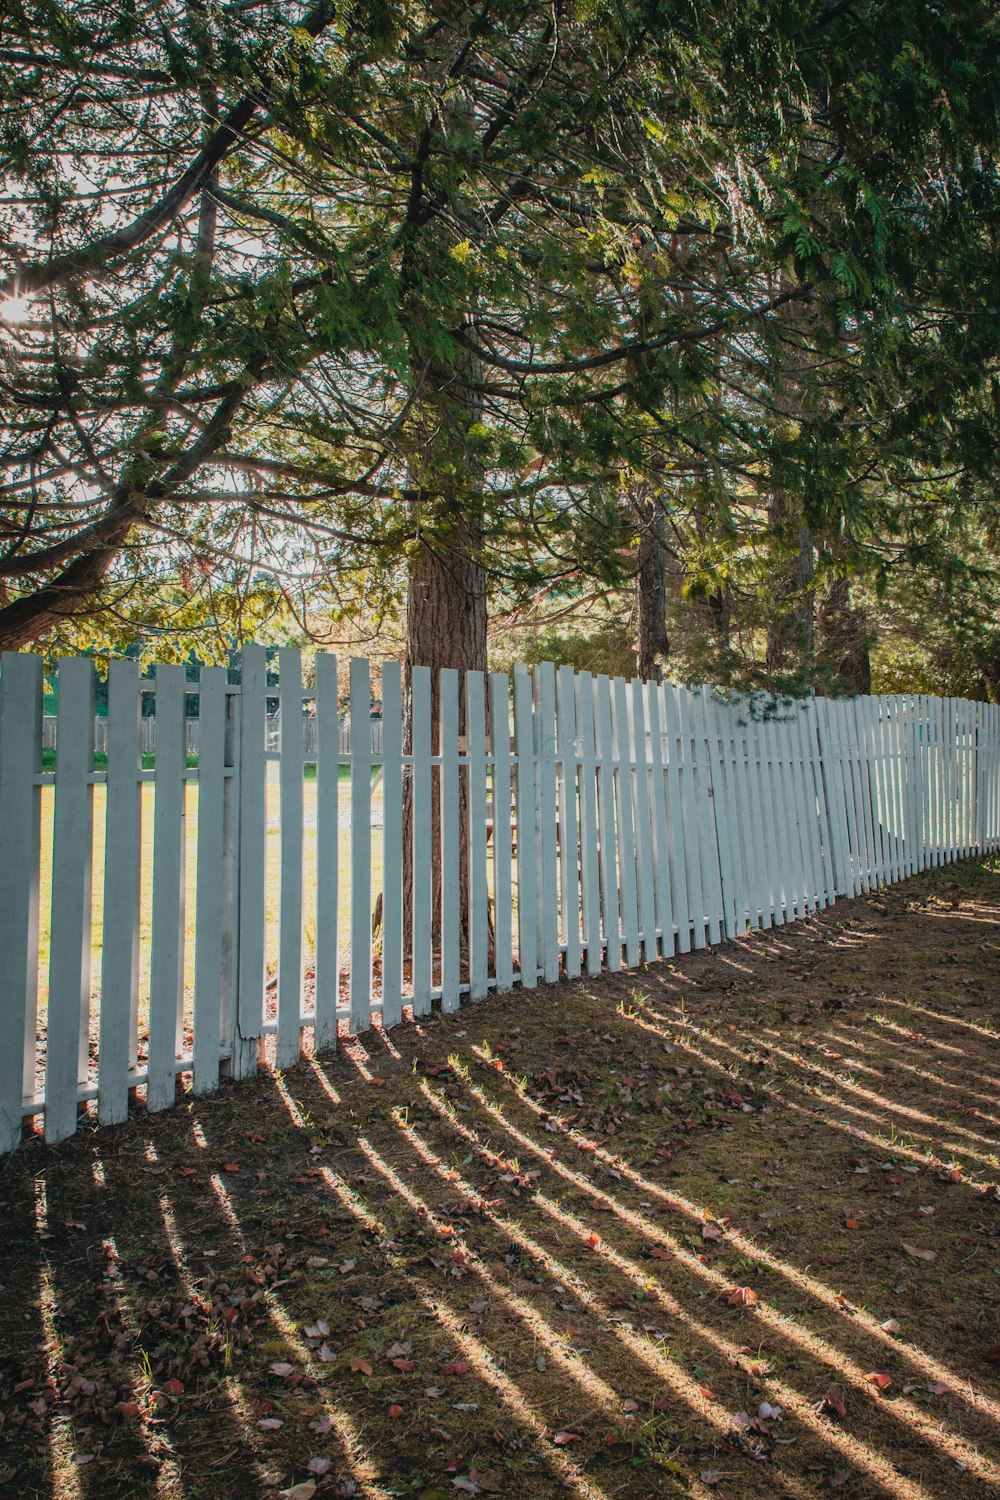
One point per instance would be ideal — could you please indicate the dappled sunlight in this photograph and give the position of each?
(840, 1364)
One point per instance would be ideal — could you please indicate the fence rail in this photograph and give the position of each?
(187, 922)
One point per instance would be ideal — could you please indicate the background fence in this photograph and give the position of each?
(180, 920)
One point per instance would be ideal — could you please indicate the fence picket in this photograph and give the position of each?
(607, 836)
(20, 830)
(422, 834)
(527, 842)
(590, 860)
(360, 979)
(211, 916)
(327, 960)
(639, 753)
(500, 761)
(288, 1047)
(478, 891)
(624, 802)
(548, 851)
(450, 842)
(662, 902)
(392, 843)
(568, 828)
(68, 1019)
(682, 857)
(253, 862)
(166, 959)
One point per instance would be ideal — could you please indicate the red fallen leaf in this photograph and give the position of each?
(852, 1223)
(360, 1366)
(228, 1314)
(173, 1387)
(404, 1366)
(711, 1232)
(707, 1392)
(281, 1368)
(457, 1367)
(395, 1410)
(593, 1240)
(379, 1083)
(936, 1388)
(877, 1377)
(586, 1145)
(741, 1296)
(657, 1252)
(661, 1404)
(497, 1063)
(230, 1166)
(128, 1408)
(187, 1171)
(255, 1135)
(561, 1439)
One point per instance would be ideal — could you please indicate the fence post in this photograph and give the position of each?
(20, 818)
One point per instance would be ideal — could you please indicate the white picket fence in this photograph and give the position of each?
(189, 923)
(147, 734)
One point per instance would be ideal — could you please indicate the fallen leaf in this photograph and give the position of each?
(920, 1254)
(835, 1399)
(270, 1424)
(879, 1378)
(711, 1232)
(852, 1223)
(710, 1476)
(395, 1410)
(174, 1387)
(303, 1491)
(890, 1326)
(360, 1366)
(741, 1296)
(319, 1466)
(281, 1368)
(457, 1367)
(562, 1438)
(230, 1166)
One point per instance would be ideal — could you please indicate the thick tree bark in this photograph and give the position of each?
(652, 640)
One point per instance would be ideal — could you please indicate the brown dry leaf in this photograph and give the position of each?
(879, 1378)
(835, 1400)
(360, 1366)
(741, 1296)
(711, 1232)
(920, 1254)
(561, 1439)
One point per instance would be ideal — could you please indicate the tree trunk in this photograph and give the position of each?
(845, 640)
(652, 641)
(790, 629)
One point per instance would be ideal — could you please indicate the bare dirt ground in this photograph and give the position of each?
(729, 1226)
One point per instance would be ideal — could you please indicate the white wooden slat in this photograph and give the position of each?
(760, 741)
(20, 825)
(569, 836)
(992, 778)
(803, 809)
(852, 751)
(211, 918)
(708, 844)
(291, 969)
(361, 847)
(451, 870)
(812, 848)
(873, 720)
(751, 822)
(392, 843)
(788, 869)
(422, 833)
(663, 903)
(120, 936)
(640, 754)
(607, 824)
(478, 892)
(500, 758)
(527, 841)
(253, 861)
(678, 811)
(590, 864)
(865, 799)
(835, 783)
(947, 742)
(166, 959)
(915, 806)
(624, 800)
(548, 837)
(732, 901)
(898, 765)
(68, 1019)
(969, 778)
(327, 852)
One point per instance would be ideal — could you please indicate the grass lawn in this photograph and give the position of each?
(726, 1227)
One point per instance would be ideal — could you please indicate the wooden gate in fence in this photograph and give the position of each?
(192, 920)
